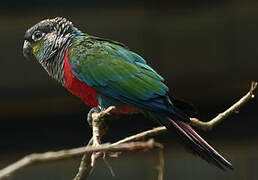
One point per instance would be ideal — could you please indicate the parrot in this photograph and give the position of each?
(104, 73)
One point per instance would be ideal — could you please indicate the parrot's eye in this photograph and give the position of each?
(37, 35)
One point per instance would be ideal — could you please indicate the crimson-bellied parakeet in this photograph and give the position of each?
(104, 73)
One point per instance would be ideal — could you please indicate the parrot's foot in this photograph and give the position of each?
(89, 116)
(99, 128)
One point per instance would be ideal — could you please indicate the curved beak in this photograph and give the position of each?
(27, 51)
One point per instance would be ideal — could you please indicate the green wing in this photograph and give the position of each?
(117, 72)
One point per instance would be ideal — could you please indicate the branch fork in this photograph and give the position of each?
(92, 151)
(99, 128)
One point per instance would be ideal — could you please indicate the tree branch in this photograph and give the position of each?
(121, 145)
(85, 165)
(194, 122)
(161, 164)
(63, 154)
(222, 116)
(99, 128)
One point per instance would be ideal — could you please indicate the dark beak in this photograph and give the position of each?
(27, 51)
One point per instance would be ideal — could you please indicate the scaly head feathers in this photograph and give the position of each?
(48, 41)
(47, 37)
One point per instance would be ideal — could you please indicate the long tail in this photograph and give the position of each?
(194, 142)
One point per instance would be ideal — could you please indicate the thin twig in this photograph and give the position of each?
(149, 133)
(145, 134)
(161, 164)
(109, 166)
(222, 116)
(63, 154)
(85, 165)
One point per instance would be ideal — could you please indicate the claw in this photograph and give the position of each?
(89, 116)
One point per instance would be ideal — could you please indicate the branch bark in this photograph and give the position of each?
(63, 154)
(161, 164)
(98, 130)
(194, 122)
(85, 165)
(207, 126)
(122, 145)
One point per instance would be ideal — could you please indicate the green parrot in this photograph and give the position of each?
(104, 73)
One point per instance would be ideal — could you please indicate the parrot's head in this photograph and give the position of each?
(45, 39)
(48, 41)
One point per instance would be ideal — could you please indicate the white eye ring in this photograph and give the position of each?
(37, 35)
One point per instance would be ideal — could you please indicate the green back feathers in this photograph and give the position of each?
(114, 70)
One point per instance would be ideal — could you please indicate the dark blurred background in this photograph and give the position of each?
(207, 53)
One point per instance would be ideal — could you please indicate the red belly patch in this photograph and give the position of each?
(86, 93)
